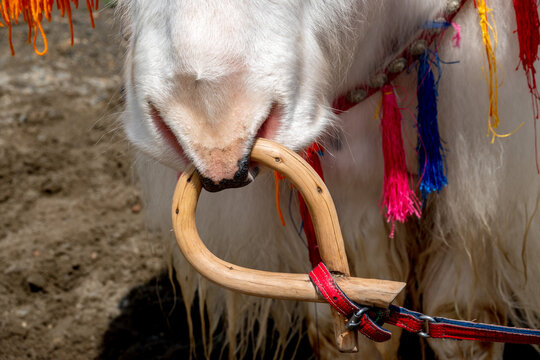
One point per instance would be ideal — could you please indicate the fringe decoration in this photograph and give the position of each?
(430, 149)
(398, 198)
(311, 155)
(490, 46)
(456, 39)
(528, 31)
(33, 13)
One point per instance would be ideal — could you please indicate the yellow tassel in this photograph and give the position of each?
(33, 12)
(489, 38)
(490, 46)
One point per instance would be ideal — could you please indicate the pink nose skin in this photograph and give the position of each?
(223, 167)
(222, 171)
(220, 150)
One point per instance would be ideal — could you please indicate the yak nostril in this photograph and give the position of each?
(243, 176)
(243, 168)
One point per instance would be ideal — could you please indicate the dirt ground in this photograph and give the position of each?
(74, 253)
(80, 277)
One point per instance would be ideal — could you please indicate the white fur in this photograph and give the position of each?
(473, 253)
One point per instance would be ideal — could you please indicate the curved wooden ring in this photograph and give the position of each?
(273, 284)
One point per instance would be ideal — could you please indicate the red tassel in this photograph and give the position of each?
(398, 198)
(528, 31)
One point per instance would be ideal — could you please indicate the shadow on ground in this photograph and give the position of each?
(153, 326)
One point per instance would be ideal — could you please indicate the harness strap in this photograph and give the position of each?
(368, 320)
(444, 328)
(328, 288)
(311, 155)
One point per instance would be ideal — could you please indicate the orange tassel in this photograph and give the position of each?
(33, 12)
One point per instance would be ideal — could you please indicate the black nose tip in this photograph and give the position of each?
(243, 176)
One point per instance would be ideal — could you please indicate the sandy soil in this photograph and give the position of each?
(73, 244)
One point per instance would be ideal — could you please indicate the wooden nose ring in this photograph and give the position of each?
(277, 285)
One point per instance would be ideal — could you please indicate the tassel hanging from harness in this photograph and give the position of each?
(430, 149)
(489, 39)
(33, 13)
(398, 198)
(528, 32)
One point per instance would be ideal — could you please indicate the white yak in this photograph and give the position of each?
(201, 79)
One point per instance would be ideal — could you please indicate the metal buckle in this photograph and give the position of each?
(354, 321)
(427, 320)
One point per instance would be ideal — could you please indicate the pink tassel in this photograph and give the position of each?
(456, 40)
(398, 198)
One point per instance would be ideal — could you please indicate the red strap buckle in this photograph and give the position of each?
(358, 315)
(355, 320)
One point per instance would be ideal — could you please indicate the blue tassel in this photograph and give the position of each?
(430, 149)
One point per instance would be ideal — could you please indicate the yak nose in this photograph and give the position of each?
(243, 176)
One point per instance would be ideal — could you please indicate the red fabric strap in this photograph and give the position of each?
(405, 319)
(323, 280)
(311, 155)
(443, 328)
(428, 35)
(328, 288)
(361, 318)
(465, 330)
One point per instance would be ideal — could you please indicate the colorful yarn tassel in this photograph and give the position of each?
(33, 13)
(430, 149)
(528, 31)
(456, 39)
(398, 199)
(489, 38)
